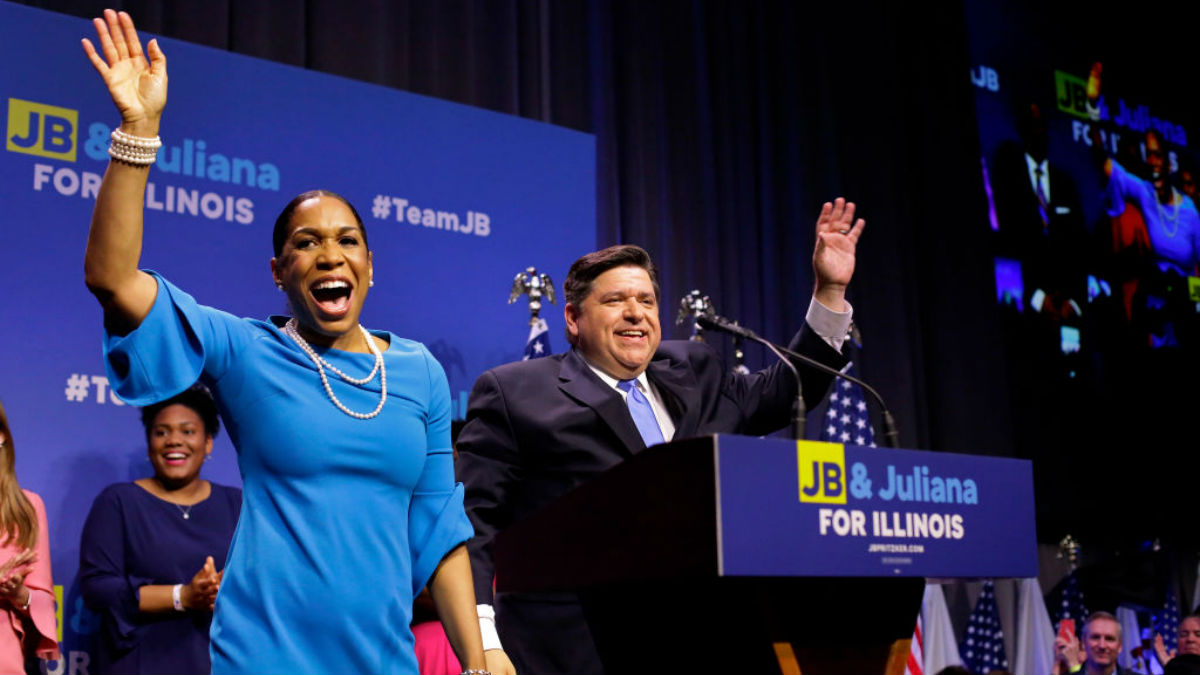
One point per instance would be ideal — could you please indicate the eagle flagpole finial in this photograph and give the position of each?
(536, 286)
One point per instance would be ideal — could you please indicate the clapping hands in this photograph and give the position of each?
(12, 576)
(201, 592)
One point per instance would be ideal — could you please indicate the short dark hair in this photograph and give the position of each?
(196, 397)
(280, 233)
(585, 270)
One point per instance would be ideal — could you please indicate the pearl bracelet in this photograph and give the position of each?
(138, 150)
(475, 671)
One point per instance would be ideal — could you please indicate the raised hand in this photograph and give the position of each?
(834, 254)
(1068, 652)
(1160, 650)
(1093, 81)
(138, 87)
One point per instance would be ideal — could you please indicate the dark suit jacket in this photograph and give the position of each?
(1051, 255)
(535, 429)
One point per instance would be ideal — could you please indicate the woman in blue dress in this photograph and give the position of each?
(148, 560)
(349, 502)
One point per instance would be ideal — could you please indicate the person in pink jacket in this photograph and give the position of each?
(26, 589)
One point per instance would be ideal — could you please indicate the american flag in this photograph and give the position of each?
(847, 419)
(538, 344)
(916, 652)
(982, 648)
(1166, 622)
(1066, 602)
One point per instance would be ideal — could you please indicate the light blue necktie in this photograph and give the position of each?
(643, 414)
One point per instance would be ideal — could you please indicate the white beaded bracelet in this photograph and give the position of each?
(175, 599)
(131, 149)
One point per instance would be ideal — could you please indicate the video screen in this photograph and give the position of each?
(1088, 133)
(1086, 120)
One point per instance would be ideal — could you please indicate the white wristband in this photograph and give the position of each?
(175, 599)
(487, 627)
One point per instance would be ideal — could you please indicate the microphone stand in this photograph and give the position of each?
(890, 433)
(799, 410)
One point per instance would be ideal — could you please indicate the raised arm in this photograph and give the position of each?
(1099, 156)
(139, 90)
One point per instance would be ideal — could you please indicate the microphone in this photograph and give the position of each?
(720, 323)
(711, 321)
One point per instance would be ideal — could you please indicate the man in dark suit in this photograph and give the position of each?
(535, 429)
(1041, 220)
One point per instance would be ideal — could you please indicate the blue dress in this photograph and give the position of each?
(133, 539)
(1174, 233)
(343, 520)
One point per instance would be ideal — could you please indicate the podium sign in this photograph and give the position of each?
(765, 549)
(787, 508)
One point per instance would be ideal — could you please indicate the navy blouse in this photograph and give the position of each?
(133, 539)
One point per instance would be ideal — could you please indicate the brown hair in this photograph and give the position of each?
(585, 270)
(18, 521)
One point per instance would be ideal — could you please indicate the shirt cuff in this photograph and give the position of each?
(487, 627)
(830, 325)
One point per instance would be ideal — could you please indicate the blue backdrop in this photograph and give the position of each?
(456, 201)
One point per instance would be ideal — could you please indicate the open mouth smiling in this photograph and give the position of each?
(332, 296)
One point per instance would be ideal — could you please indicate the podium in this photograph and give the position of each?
(744, 555)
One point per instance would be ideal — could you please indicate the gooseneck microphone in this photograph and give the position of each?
(711, 321)
(721, 324)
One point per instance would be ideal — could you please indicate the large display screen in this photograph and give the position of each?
(1087, 136)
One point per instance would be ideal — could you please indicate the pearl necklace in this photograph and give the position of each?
(322, 364)
(1174, 215)
(185, 512)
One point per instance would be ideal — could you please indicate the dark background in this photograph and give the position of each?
(721, 127)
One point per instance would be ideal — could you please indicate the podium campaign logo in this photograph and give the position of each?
(822, 468)
(42, 130)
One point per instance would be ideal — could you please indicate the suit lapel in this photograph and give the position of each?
(577, 380)
(680, 394)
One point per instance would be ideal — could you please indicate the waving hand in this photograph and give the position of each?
(834, 254)
(138, 87)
